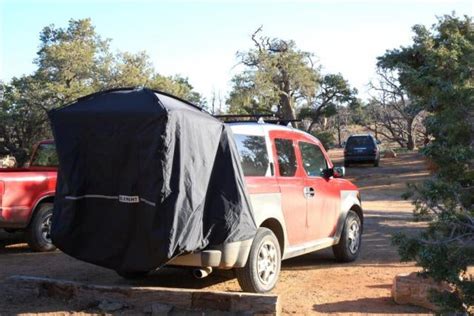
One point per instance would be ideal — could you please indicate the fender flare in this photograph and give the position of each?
(42, 199)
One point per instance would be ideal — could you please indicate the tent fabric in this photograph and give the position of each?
(144, 177)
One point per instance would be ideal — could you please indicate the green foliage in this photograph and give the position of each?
(73, 62)
(325, 137)
(437, 70)
(334, 92)
(275, 72)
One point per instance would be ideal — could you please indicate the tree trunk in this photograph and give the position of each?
(338, 125)
(287, 110)
(410, 137)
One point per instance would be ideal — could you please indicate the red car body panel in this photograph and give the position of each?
(22, 189)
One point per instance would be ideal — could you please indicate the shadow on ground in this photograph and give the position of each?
(376, 305)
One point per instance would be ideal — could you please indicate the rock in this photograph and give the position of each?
(159, 309)
(415, 290)
(109, 306)
(390, 154)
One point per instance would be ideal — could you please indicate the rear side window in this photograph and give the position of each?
(253, 154)
(45, 156)
(360, 141)
(313, 159)
(286, 157)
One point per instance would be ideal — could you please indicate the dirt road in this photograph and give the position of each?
(314, 283)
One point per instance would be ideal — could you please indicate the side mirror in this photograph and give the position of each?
(328, 173)
(339, 172)
(379, 142)
(343, 144)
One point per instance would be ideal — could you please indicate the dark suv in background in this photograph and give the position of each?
(361, 148)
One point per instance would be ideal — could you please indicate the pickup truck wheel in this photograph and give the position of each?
(348, 248)
(260, 274)
(38, 233)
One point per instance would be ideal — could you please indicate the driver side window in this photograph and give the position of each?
(314, 162)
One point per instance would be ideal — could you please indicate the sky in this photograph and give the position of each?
(200, 39)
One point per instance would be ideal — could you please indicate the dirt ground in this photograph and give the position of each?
(311, 284)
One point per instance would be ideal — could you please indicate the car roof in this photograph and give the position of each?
(262, 128)
(361, 135)
(47, 141)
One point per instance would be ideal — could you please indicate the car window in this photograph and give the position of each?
(286, 157)
(45, 156)
(253, 154)
(360, 141)
(313, 158)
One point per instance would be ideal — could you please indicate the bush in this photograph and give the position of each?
(326, 138)
(436, 71)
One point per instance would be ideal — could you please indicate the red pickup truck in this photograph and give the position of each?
(27, 195)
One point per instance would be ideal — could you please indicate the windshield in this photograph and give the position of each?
(45, 156)
(360, 141)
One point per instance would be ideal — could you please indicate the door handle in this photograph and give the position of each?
(308, 192)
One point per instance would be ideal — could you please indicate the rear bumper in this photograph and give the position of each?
(226, 256)
(360, 158)
(14, 217)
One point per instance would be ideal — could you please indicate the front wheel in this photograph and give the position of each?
(260, 274)
(348, 248)
(38, 233)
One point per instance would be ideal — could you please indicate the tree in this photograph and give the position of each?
(275, 72)
(334, 92)
(392, 112)
(24, 121)
(73, 62)
(437, 70)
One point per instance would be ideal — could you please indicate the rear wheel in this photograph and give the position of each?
(348, 248)
(260, 274)
(38, 233)
(376, 163)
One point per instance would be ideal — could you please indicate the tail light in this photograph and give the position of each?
(2, 190)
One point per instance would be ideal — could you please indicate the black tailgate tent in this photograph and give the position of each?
(144, 177)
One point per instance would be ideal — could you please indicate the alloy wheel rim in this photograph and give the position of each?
(267, 262)
(46, 228)
(354, 237)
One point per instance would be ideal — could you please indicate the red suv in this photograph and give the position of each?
(300, 204)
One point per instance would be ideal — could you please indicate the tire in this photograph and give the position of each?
(261, 272)
(376, 163)
(348, 248)
(346, 164)
(132, 275)
(38, 233)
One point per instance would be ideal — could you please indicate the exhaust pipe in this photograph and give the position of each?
(202, 273)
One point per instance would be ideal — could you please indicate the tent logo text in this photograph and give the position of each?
(129, 199)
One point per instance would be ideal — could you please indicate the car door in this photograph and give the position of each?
(290, 178)
(322, 194)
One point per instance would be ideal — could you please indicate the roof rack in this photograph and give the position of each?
(242, 116)
(259, 117)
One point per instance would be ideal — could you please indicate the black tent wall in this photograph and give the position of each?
(144, 177)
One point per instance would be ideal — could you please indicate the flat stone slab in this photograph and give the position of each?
(152, 300)
(410, 288)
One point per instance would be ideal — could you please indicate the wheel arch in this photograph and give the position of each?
(358, 210)
(275, 226)
(44, 199)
